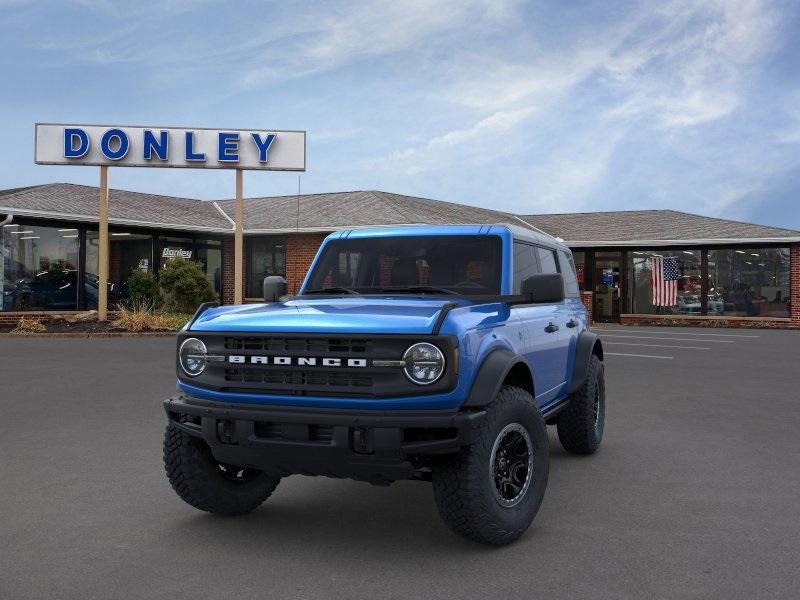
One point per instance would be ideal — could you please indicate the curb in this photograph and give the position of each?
(88, 334)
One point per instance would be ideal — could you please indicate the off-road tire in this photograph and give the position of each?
(580, 430)
(199, 480)
(463, 484)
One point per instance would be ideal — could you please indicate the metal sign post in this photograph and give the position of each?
(176, 147)
(238, 241)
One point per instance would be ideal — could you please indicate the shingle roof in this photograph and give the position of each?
(357, 209)
(649, 225)
(341, 210)
(80, 202)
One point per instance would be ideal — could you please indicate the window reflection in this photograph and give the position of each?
(265, 256)
(128, 252)
(665, 282)
(748, 282)
(39, 268)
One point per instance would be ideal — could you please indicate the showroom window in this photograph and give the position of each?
(265, 256)
(665, 282)
(748, 282)
(128, 252)
(209, 255)
(39, 267)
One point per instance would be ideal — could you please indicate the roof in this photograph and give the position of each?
(518, 232)
(362, 209)
(80, 203)
(666, 227)
(348, 210)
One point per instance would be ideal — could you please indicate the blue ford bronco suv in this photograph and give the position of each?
(434, 353)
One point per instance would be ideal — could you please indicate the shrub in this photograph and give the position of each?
(143, 317)
(29, 325)
(143, 289)
(184, 286)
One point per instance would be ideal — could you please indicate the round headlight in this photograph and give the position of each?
(192, 356)
(424, 363)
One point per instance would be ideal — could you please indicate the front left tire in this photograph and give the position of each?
(492, 489)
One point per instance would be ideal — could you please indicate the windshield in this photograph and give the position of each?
(462, 264)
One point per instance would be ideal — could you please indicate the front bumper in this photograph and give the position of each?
(375, 446)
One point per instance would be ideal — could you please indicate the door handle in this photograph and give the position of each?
(572, 323)
(552, 328)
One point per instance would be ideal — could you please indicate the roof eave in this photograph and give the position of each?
(683, 242)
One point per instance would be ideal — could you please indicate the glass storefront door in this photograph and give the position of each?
(128, 252)
(607, 279)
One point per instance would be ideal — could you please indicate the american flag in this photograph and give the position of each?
(664, 277)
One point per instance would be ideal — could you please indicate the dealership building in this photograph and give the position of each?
(725, 272)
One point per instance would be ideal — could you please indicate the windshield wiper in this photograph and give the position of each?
(332, 290)
(432, 289)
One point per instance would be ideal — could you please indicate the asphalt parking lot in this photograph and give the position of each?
(694, 494)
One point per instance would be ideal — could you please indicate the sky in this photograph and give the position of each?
(528, 107)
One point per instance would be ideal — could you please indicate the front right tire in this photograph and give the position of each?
(491, 490)
(205, 483)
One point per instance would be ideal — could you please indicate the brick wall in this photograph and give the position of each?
(794, 284)
(301, 248)
(228, 269)
(586, 298)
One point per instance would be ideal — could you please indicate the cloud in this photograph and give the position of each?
(474, 144)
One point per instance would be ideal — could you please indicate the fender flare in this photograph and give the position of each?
(491, 375)
(587, 343)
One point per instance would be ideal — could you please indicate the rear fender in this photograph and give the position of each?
(588, 343)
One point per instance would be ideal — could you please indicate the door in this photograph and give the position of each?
(607, 286)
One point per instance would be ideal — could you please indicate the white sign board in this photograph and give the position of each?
(189, 148)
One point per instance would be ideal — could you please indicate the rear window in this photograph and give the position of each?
(463, 264)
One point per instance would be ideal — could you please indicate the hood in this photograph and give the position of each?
(356, 314)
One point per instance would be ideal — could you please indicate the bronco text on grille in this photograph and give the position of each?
(311, 365)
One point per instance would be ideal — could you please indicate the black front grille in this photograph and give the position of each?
(297, 377)
(357, 378)
(311, 346)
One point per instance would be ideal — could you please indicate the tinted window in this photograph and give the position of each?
(39, 267)
(568, 271)
(749, 282)
(463, 264)
(547, 260)
(265, 256)
(665, 282)
(525, 264)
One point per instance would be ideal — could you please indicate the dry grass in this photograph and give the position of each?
(26, 325)
(143, 317)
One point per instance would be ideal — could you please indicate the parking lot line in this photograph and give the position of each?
(651, 337)
(736, 335)
(637, 355)
(656, 345)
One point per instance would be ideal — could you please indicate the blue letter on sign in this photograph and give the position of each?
(71, 136)
(228, 142)
(122, 147)
(159, 146)
(190, 153)
(263, 145)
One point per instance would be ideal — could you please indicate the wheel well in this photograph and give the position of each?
(597, 349)
(520, 376)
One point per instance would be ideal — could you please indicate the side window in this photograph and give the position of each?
(568, 270)
(547, 260)
(525, 264)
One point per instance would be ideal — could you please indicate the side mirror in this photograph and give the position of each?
(544, 288)
(274, 288)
